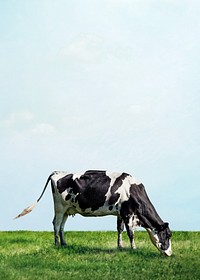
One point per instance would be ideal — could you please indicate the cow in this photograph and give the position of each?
(100, 193)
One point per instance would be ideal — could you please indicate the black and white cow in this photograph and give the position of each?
(100, 193)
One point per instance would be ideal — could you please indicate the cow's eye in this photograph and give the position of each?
(169, 235)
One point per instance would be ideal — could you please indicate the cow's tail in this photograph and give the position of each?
(30, 208)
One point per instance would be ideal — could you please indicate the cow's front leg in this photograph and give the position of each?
(129, 228)
(120, 228)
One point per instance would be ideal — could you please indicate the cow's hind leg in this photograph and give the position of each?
(57, 221)
(61, 231)
(120, 228)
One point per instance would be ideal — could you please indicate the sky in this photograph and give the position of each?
(100, 84)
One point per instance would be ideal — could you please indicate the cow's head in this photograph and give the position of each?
(160, 237)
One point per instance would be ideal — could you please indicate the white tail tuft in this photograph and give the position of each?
(26, 210)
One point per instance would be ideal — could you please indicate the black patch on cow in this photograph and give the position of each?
(126, 210)
(52, 188)
(91, 189)
(65, 183)
(117, 184)
(68, 196)
(110, 208)
(143, 207)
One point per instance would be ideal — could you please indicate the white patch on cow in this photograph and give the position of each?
(130, 223)
(135, 222)
(154, 238)
(64, 194)
(124, 190)
(108, 194)
(113, 176)
(132, 180)
(77, 175)
(168, 252)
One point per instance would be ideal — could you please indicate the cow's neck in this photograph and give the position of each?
(145, 210)
(149, 218)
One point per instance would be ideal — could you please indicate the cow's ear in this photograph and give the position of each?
(163, 226)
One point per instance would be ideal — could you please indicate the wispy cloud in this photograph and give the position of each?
(43, 129)
(15, 118)
(24, 123)
(92, 48)
(88, 48)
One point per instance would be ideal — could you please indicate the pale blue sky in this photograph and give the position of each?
(94, 84)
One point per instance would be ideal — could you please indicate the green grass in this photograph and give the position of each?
(94, 255)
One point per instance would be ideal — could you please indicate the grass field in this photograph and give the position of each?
(94, 255)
